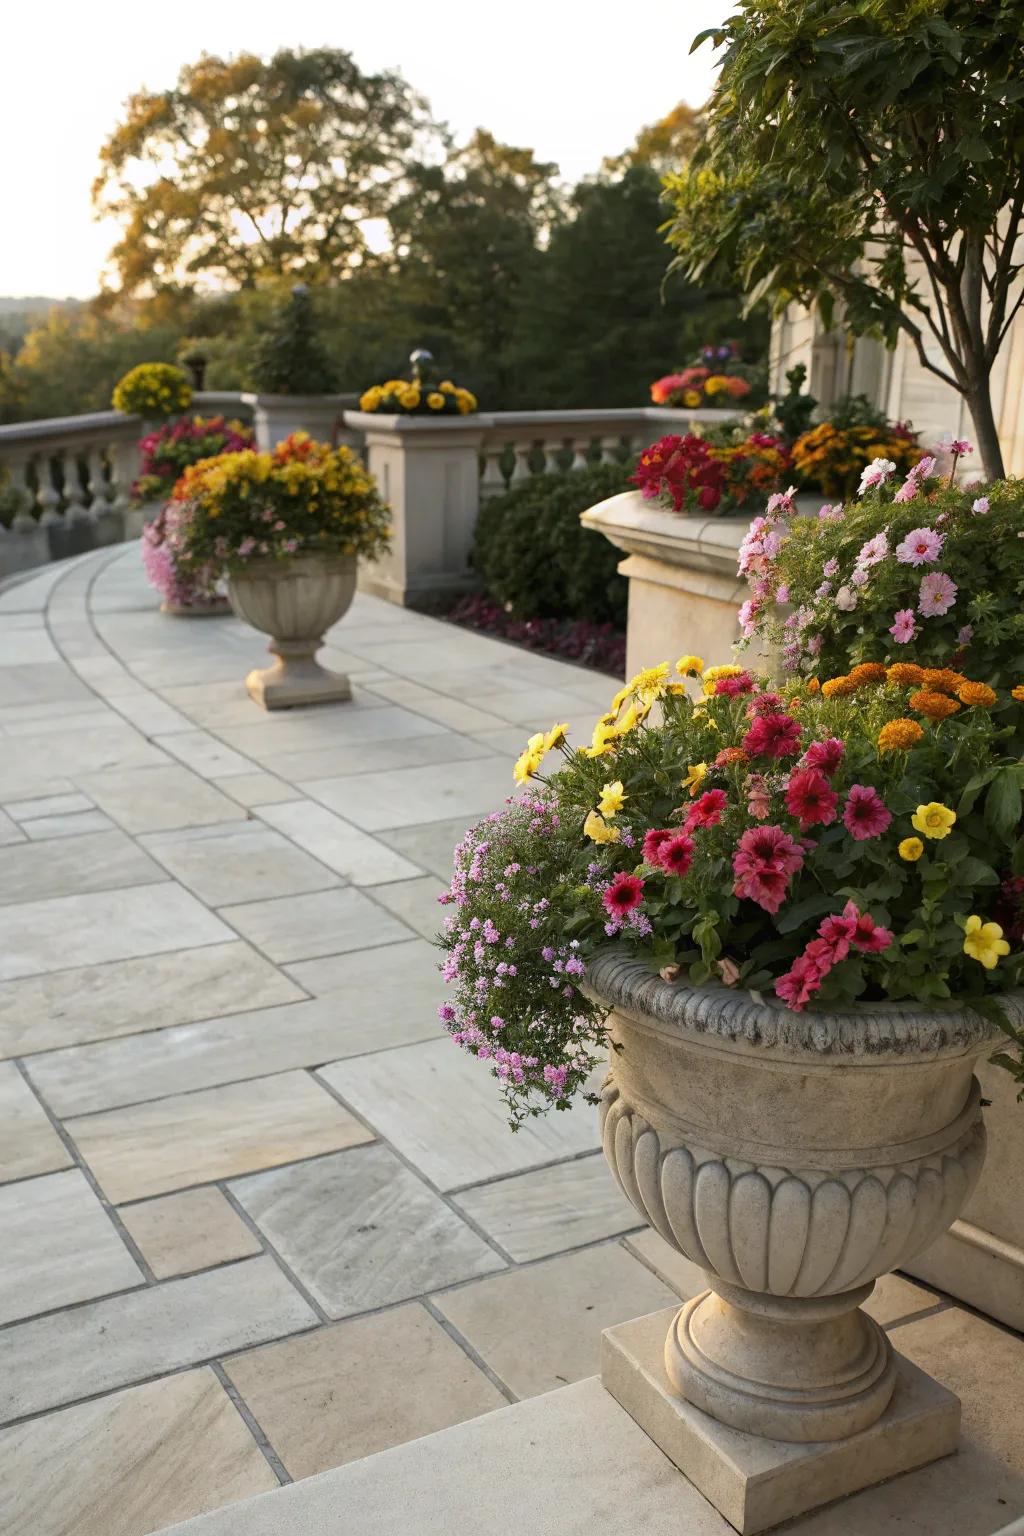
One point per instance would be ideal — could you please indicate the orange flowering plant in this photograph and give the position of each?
(821, 844)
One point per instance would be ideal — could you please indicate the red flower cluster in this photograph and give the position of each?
(765, 861)
(671, 850)
(683, 470)
(836, 936)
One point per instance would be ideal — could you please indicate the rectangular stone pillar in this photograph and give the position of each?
(428, 471)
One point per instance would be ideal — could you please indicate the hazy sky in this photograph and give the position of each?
(572, 80)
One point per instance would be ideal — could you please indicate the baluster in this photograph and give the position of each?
(47, 495)
(492, 481)
(579, 459)
(99, 490)
(17, 471)
(552, 456)
(521, 468)
(611, 448)
(121, 478)
(75, 510)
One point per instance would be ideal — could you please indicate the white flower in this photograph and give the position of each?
(875, 473)
(846, 599)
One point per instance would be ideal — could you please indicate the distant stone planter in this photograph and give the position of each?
(295, 601)
(794, 1158)
(276, 417)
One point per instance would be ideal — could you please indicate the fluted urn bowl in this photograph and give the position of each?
(794, 1158)
(295, 601)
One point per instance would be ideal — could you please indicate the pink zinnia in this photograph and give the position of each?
(811, 797)
(922, 546)
(826, 755)
(654, 841)
(937, 594)
(865, 814)
(765, 860)
(676, 856)
(775, 736)
(624, 893)
(732, 687)
(707, 811)
(903, 626)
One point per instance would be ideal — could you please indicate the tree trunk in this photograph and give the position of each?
(979, 403)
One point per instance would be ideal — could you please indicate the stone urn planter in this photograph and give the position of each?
(794, 1158)
(214, 607)
(295, 601)
(276, 417)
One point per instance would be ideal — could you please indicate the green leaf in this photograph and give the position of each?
(818, 905)
(1003, 803)
(972, 871)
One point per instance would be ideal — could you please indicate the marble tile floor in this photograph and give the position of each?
(258, 1219)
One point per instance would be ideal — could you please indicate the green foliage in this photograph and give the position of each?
(794, 409)
(538, 560)
(290, 358)
(71, 362)
(871, 153)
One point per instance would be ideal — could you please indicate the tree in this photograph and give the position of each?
(290, 358)
(870, 151)
(663, 145)
(250, 167)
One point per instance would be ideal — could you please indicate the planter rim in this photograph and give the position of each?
(258, 398)
(293, 565)
(902, 1029)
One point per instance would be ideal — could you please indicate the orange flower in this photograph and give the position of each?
(935, 705)
(905, 674)
(867, 672)
(838, 687)
(942, 679)
(813, 686)
(1018, 693)
(731, 755)
(899, 736)
(976, 693)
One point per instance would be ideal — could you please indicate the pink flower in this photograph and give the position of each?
(937, 594)
(865, 814)
(759, 800)
(624, 893)
(775, 736)
(782, 595)
(811, 797)
(732, 687)
(846, 599)
(860, 577)
(654, 841)
(729, 971)
(981, 505)
(908, 490)
(707, 811)
(922, 546)
(867, 935)
(748, 617)
(801, 981)
(830, 514)
(875, 473)
(830, 567)
(826, 755)
(923, 468)
(874, 550)
(965, 635)
(676, 856)
(959, 446)
(764, 704)
(838, 934)
(903, 626)
(765, 861)
(781, 501)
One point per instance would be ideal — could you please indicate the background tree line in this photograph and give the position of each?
(251, 174)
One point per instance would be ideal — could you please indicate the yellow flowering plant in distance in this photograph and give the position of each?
(153, 391)
(305, 498)
(416, 397)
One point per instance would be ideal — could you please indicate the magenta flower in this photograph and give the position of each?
(624, 893)
(707, 810)
(826, 755)
(903, 626)
(811, 797)
(867, 935)
(654, 841)
(922, 546)
(775, 736)
(865, 814)
(765, 861)
(676, 856)
(960, 446)
(937, 594)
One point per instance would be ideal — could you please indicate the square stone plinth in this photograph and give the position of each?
(758, 1483)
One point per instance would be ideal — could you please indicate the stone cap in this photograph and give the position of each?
(874, 1029)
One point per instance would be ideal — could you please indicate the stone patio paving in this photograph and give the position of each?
(258, 1218)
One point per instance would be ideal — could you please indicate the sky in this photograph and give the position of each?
(570, 79)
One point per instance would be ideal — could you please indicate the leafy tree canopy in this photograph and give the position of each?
(871, 151)
(663, 145)
(249, 166)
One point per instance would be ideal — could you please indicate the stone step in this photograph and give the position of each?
(573, 1463)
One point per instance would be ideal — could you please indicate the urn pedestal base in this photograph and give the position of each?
(204, 608)
(296, 678)
(755, 1482)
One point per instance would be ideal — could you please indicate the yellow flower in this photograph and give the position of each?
(691, 398)
(409, 399)
(446, 387)
(605, 734)
(1018, 693)
(650, 682)
(911, 849)
(633, 716)
(695, 776)
(618, 701)
(690, 666)
(933, 820)
(555, 737)
(597, 829)
(984, 942)
(714, 385)
(712, 675)
(435, 401)
(613, 797)
(371, 399)
(530, 759)
(899, 735)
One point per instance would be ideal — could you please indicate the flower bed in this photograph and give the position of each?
(711, 474)
(600, 646)
(820, 845)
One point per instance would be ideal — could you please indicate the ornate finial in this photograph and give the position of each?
(418, 360)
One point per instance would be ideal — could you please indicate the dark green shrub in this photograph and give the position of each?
(290, 358)
(536, 558)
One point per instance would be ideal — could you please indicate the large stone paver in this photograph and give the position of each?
(535, 1214)
(224, 864)
(306, 927)
(59, 1246)
(196, 1229)
(99, 861)
(28, 1142)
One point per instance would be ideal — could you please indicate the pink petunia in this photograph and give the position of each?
(654, 841)
(707, 810)
(811, 798)
(868, 936)
(960, 446)
(865, 814)
(903, 626)
(922, 546)
(937, 594)
(826, 755)
(676, 856)
(775, 736)
(765, 861)
(624, 893)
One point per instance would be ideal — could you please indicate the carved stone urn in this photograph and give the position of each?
(295, 601)
(795, 1158)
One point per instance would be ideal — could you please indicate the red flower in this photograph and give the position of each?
(654, 840)
(838, 933)
(764, 704)
(826, 755)
(865, 814)
(801, 981)
(732, 687)
(867, 935)
(811, 797)
(765, 860)
(773, 736)
(624, 893)
(707, 811)
(676, 855)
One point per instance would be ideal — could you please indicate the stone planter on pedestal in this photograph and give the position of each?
(428, 471)
(795, 1158)
(296, 601)
(276, 417)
